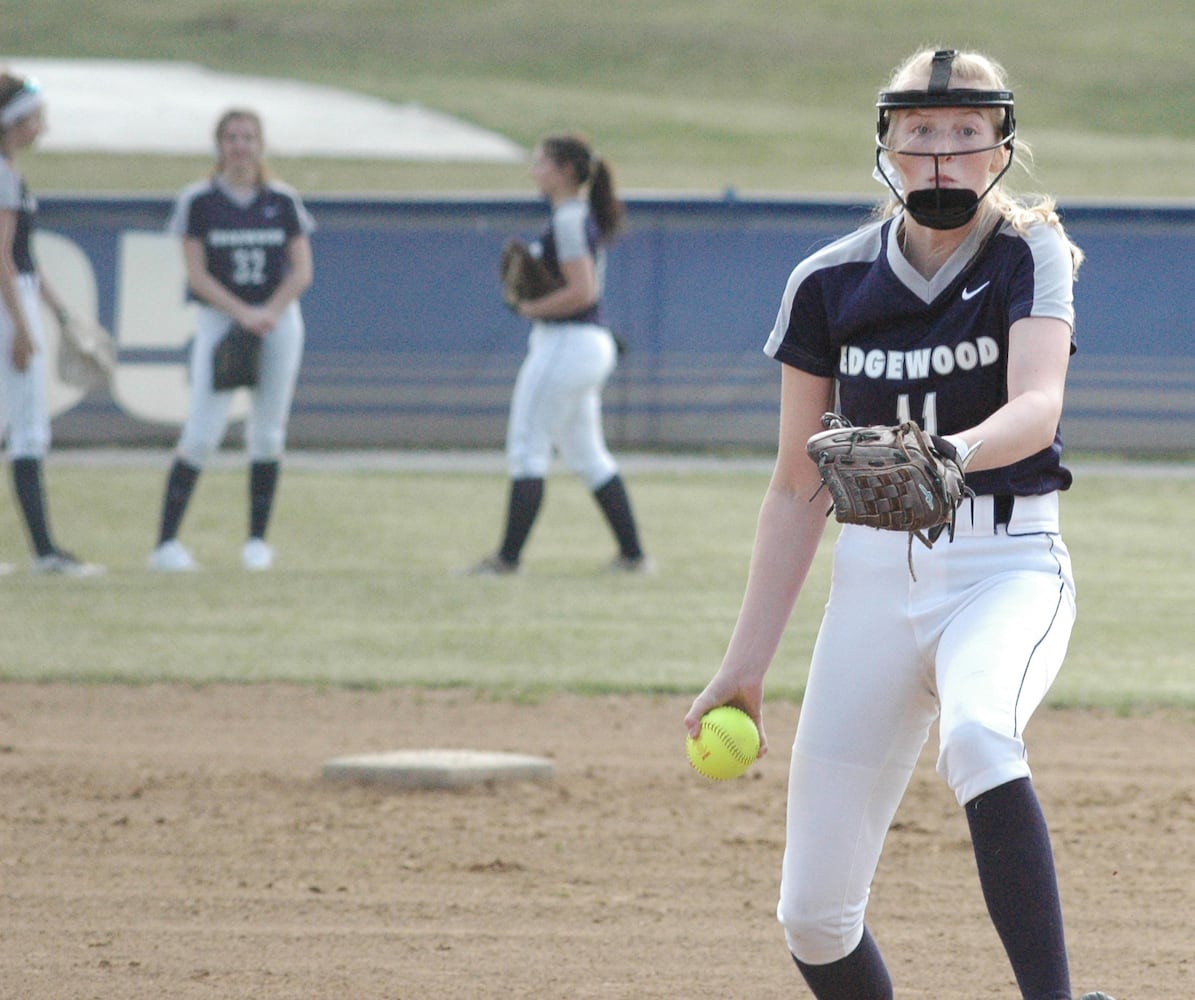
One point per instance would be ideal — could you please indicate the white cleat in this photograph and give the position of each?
(257, 556)
(59, 563)
(643, 565)
(172, 557)
(493, 565)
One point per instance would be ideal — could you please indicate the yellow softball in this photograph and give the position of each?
(727, 745)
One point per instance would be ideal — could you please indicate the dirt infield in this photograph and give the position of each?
(180, 842)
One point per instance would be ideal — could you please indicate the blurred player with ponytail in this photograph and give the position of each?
(557, 395)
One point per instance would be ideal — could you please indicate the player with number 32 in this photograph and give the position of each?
(247, 255)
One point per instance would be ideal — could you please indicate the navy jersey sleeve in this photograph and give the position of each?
(298, 220)
(804, 334)
(800, 337)
(179, 222)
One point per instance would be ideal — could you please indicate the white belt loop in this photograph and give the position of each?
(1030, 516)
(976, 516)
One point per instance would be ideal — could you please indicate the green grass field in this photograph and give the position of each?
(680, 95)
(756, 95)
(364, 594)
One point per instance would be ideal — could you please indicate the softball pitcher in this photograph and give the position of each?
(557, 402)
(24, 405)
(248, 259)
(953, 308)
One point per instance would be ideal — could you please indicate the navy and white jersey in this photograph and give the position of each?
(901, 346)
(573, 232)
(15, 197)
(244, 241)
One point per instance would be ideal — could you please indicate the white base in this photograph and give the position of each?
(437, 768)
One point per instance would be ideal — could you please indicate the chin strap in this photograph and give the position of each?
(938, 207)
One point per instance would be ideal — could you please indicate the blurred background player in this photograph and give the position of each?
(247, 254)
(964, 294)
(557, 400)
(24, 368)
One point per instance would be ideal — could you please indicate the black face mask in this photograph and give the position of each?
(942, 208)
(938, 207)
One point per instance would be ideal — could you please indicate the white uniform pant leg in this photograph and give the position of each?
(582, 441)
(866, 715)
(998, 656)
(24, 399)
(281, 355)
(981, 632)
(207, 414)
(557, 402)
(207, 410)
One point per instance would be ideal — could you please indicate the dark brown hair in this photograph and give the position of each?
(574, 152)
(10, 86)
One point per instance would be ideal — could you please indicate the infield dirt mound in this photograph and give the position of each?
(179, 842)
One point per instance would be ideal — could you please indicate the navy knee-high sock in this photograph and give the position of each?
(263, 483)
(862, 975)
(180, 484)
(612, 498)
(1020, 886)
(526, 496)
(27, 483)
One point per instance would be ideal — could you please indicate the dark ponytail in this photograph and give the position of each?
(589, 168)
(10, 86)
(607, 207)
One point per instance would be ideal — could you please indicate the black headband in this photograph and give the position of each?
(939, 95)
(894, 100)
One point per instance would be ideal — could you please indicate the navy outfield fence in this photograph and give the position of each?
(410, 346)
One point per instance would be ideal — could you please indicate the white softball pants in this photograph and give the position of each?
(975, 642)
(269, 412)
(557, 402)
(24, 399)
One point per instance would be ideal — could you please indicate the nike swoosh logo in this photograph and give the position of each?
(970, 293)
